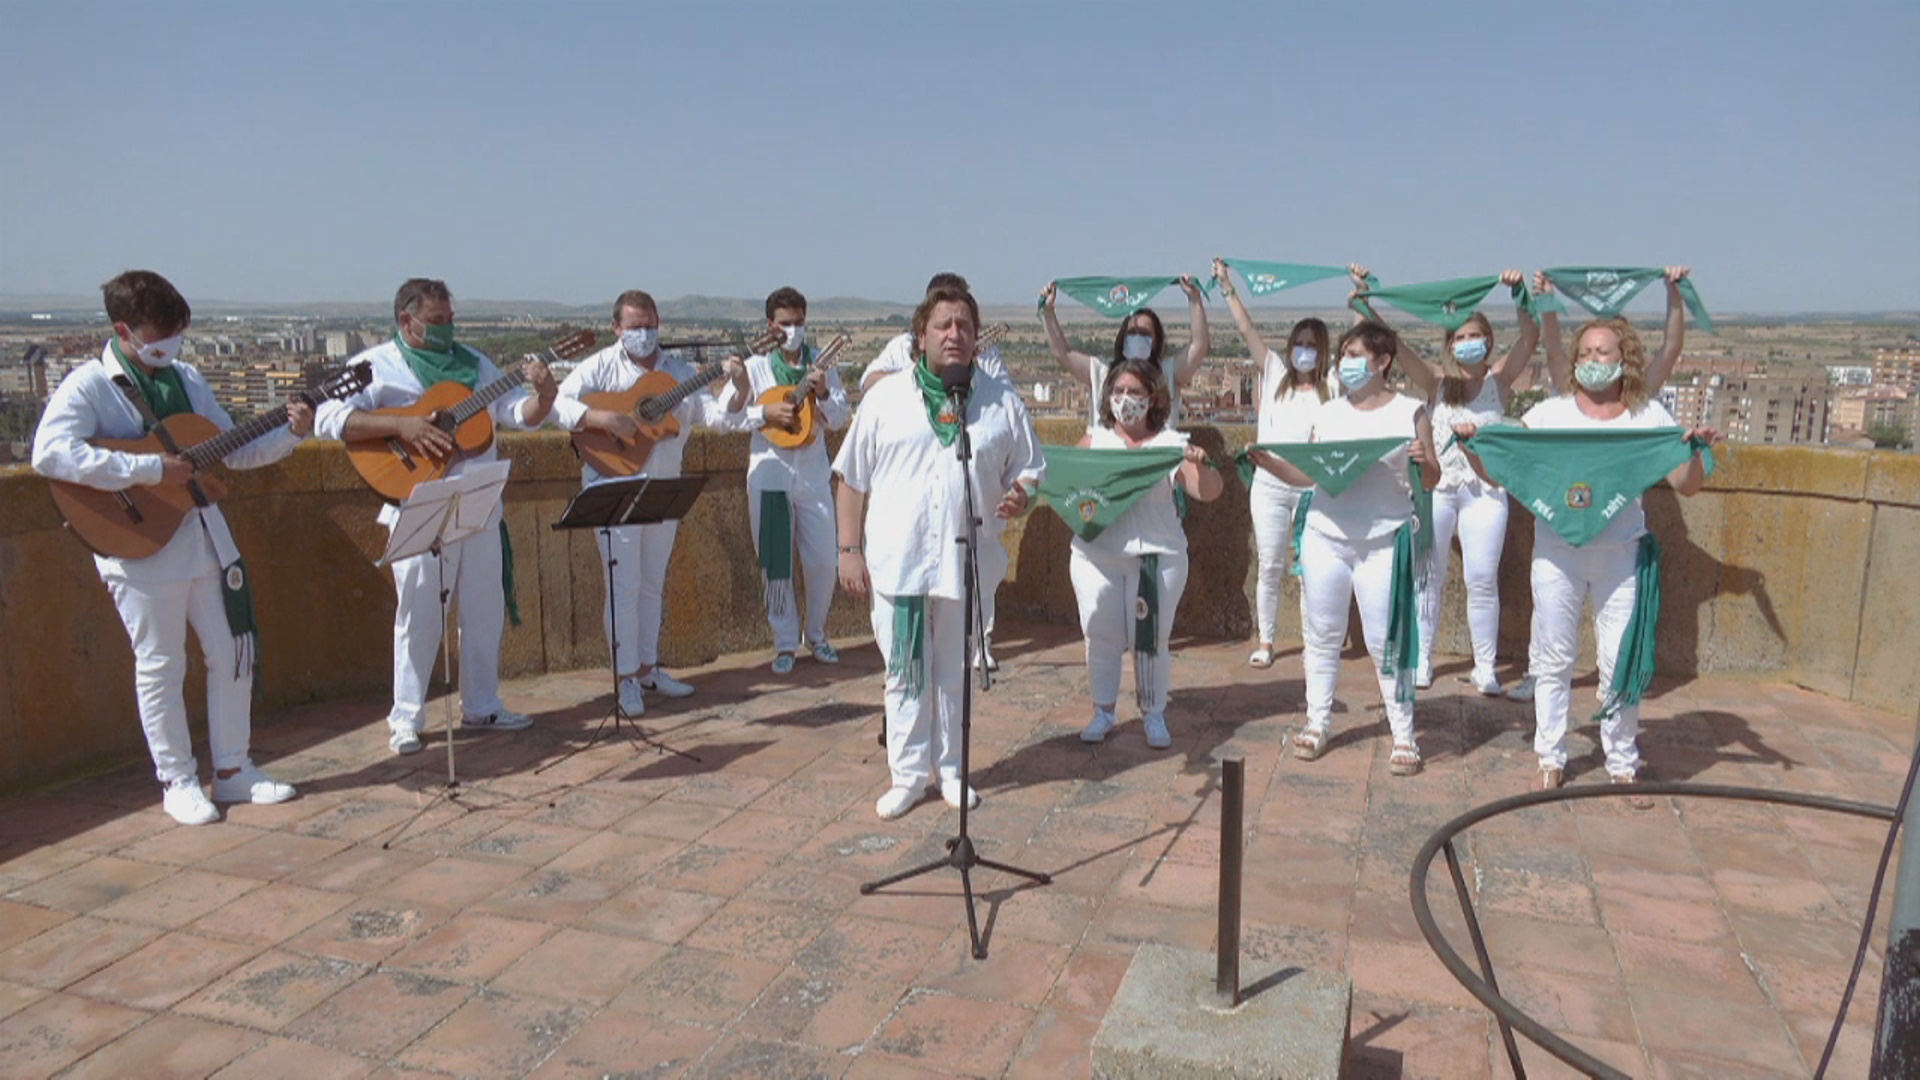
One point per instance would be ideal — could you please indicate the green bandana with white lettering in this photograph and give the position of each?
(933, 393)
(1117, 297)
(1263, 278)
(1090, 488)
(1447, 303)
(776, 550)
(1577, 481)
(1332, 466)
(1606, 290)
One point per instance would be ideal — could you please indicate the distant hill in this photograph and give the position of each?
(690, 308)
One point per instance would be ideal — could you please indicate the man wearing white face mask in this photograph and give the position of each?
(636, 595)
(790, 492)
(190, 581)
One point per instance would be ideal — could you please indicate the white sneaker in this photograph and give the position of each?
(250, 785)
(1158, 736)
(1522, 690)
(825, 654)
(404, 742)
(504, 720)
(984, 659)
(632, 701)
(896, 801)
(1487, 683)
(1097, 728)
(950, 790)
(187, 804)
(1423, 679)
(662, 683)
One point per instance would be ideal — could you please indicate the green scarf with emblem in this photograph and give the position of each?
(1118, 297)
(1090, 488)
(1146, 630)
(1606, 290)
(1332, 466)
(1263, 278)
(166, 395)
(933, 394)
(1578, 480)
(1447, 303)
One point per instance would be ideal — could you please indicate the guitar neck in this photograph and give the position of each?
(658, 407)
(484, 397)
(217, 448)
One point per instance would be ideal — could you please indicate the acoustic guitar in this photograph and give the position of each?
(806, 417)
(391, 467)
(136, 522)
(650, 401)
(988, 336)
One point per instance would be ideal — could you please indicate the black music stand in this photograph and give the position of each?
(641, 500)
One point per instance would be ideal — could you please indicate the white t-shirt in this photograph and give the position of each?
(1151, 526)
(611, 370)
(1382, 499)
(1483, 410)
(769, 468)
(1287, 418)
(1563, 413)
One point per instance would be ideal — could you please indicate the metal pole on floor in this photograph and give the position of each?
(1233, 786)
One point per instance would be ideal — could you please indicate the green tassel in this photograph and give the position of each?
(906, 660)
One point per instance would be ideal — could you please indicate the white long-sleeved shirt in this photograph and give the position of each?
(611, 370)
(88, 406)
(770, 468)
(898, 356)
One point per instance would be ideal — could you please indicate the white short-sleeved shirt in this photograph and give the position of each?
(1563, 413)
(915, 501)
(898, 356)
(611, 370)
(1285, 418)
(769, 468)
(1484, 410)
(1382, 499)
(1151, 526)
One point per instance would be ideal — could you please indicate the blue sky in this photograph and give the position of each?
(297, 150)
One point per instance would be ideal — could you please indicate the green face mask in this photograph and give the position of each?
(437, 337)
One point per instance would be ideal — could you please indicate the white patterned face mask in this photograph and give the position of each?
(1128, 410)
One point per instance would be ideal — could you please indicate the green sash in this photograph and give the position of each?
(236, 594)
(1332, 466)
(1448, 303)
(458, 364)
(508, 586)
(1270, 277)
(906, 659)
(1118, 297)
(1578, 480)
(933, 394)
(1605, 290)
(1633, 664)
(1300, 528)
(1090, 488)
(1146, 630)
(776, 550)
(790, 374)
(166, 395)
(1401, 653)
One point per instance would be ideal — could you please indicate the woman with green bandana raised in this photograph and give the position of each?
(1129, 576)
(1465, 385)
(1290, 390)
(1141, 337)
(1610, 394)
(1358, 544)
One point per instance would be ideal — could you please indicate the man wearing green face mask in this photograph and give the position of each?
(422, 354)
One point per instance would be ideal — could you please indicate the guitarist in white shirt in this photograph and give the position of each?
(636, 595)
(184, 583)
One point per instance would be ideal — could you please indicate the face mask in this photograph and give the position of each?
(1305, 358)
(436, 337)
(1127, 409)
(640, 343)
(1136, 346)
(1355, 371)
(796, 337)
(1596, 374)
(159, 354)
(1472, 351)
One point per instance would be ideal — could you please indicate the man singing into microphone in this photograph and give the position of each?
(900, 449)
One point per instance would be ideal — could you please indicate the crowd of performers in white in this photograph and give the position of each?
(1357, 487)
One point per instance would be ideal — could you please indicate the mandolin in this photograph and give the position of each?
(136, 522)
(392, 468)
(806, 419)
(650, 401)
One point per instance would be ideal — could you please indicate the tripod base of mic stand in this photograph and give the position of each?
(451, 792)
(962, 857)
(610, 728)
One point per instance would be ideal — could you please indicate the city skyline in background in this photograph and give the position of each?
(561, 153)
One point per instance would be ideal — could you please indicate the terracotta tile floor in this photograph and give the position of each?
(628, 910)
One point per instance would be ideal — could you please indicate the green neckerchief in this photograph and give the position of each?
(507, 584)
(1270, 277)
(1401, 653)
(459, 364)
(1118, 297)
(1633, 663)
(790, 374)
(1605, 290)
(1448, 303)
(1332, 466)
(906, 660)
(166, 395)
(946, 426)
(776, 550)
(1577, 480)
(1146, 630)
(1090, 488)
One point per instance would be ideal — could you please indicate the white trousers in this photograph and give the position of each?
(1335, 572)
(471, 576)
(1106, 588)
(636, 594)
(819, 566)
(1272, 504)
(156, 615)
(1564, 578)
(923, 731)
(1478, 513)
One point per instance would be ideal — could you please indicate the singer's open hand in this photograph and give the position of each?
(853, 573)
(1014, 502)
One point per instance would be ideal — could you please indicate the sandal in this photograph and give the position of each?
(1262, 657)
(1405, 760)
(1309, 742)
(1548, 780)
(1637, 801)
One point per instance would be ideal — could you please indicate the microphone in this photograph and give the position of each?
(957, 381)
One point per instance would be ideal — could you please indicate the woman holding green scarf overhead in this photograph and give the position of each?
(1290, 390)
(1129, 578)
(1358, 544)
(1466, 385)
(1611, 393)
(1141, 337)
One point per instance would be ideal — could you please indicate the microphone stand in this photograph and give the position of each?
(961, 855)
